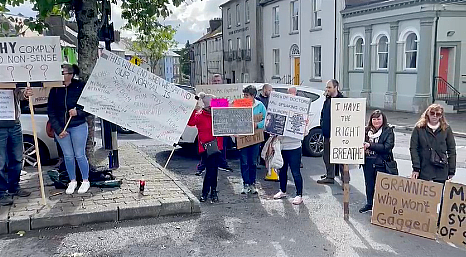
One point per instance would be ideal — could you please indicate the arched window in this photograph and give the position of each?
(382, 53)
(294, 50)
(411, 51)
(359, 54)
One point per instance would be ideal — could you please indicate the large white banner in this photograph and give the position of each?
(132, 97)
(348, 118)
(227, 91)
(287, 115)
(24, 59)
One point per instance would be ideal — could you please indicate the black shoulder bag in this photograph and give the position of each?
(437, 158)
(211, 147)
(391, 167)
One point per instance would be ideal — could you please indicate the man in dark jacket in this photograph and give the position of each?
(11, 144)
(264, 96)
(332, 91)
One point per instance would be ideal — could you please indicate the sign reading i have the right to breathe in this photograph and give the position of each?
(453, 219)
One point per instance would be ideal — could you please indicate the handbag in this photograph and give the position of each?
(437, 158)
(49, 130)
(391, 167)
(211, 147)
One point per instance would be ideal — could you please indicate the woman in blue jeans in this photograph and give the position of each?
(62, 106)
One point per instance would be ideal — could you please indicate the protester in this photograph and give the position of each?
(63, 106)
(332, 91)
(433, 147)
(291, 153)
(264, 96)
(249, 155)
(11, 150)
(294, 91)
(378, 145)
(223, 164)
(202, 119)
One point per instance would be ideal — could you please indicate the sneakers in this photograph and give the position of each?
(71, 187)
(21, 193)
(279, 195)
(226, 168)
(6, 200)
(85, 185)
(323, 176)
(365, 209)
(326, 181)
(214, 196)
(252, 189)
(298, 200)
(245, 189)
(203, 198)
(198, 172)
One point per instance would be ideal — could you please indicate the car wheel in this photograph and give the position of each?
(122, 130)
(313, 143)
(29, 152)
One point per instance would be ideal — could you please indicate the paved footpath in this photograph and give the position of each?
(163, 195)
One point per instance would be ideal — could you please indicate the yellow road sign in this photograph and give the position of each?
(135, 60)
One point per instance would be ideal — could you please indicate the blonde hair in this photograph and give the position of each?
(422, 122)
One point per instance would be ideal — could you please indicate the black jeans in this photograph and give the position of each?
(291, 158)
(332, 169)
(370, 176)
(222, 161)
(210, 178)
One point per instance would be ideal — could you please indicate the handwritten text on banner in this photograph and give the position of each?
(136, 99)
(7, 105)
(452, 227)
(228, 91)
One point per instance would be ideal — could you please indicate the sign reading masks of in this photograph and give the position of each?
(228, 91)
(407, 205)
(232, 121)
(24, 59)
(136, 99)
(347, 130)
(7, 105)
(453, 219)
(287, 115)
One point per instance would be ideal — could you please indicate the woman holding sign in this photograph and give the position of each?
(433, 147)
(68, 121)
(209, 146)
(379, 142)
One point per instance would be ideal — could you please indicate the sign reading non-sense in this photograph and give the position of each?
(232, 121)
(7, 104)
(407, 205)
(347, 130)
(287, 115)
(136, 99)
(25, 59)
(228, 91)
(453, 219)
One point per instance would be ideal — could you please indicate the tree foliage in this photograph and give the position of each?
(185, 59)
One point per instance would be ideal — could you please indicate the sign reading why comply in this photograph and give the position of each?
(347, 130)
(287, 115)
(136, 99)
(227, 91)
(407, 205)
(24, 59)
(453, 219)
(229, 121)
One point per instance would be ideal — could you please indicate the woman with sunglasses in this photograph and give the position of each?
(433, 148)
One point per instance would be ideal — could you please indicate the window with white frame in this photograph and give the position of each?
(276, 20)
(294, 16)
(238, 15)
(382, 53)
(246, 78)
(317, 56)
(229, 18)
(359, 54)
(238, 46)
(230, 46)
(248, 46)
(276, 62)
(411, 51)
(246, 12)
(317, 13)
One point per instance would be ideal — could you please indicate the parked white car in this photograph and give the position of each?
(313, 144)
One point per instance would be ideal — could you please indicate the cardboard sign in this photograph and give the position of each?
(7, 105)
(245, 141)
(219, 102)
(232, 121)
(287, 115)
(228, 91)
(453, 219)
(132, 97)
(41, 95)
(347, 130)
(25, 59)
(407, 205)
(244, 102)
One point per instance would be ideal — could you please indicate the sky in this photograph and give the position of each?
(191, 19)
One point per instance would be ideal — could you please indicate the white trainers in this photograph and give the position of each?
(71, 187)
(279, 195)
(245, 190)
(85, 185)
(252, 189)
(298, 200)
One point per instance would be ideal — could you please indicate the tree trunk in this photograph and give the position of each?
(88, 45)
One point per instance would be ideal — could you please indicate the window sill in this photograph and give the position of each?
(294, 32)
(276, 77)
(229, 27)
(356, 71)
(407, 72)
(315, 29)
(380, 71)
(274, 36)
(315, 80)
(247, 22)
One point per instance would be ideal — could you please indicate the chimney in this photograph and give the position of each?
(215, 23)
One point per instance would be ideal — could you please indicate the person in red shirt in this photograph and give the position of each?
(202, 119)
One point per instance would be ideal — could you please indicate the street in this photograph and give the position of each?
(253, 225)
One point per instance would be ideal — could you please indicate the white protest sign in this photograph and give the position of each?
(25, 59)
(347, 130)
(287, 115)
(227, 91)
(7, 105)
(132, 97)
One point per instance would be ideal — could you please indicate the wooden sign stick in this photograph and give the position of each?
(36, 144)
(170, 157)
(67, 123)
(346, 188)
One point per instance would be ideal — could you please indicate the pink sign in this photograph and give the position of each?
(219, 102)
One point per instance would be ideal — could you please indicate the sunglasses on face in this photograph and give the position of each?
(436, 114)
